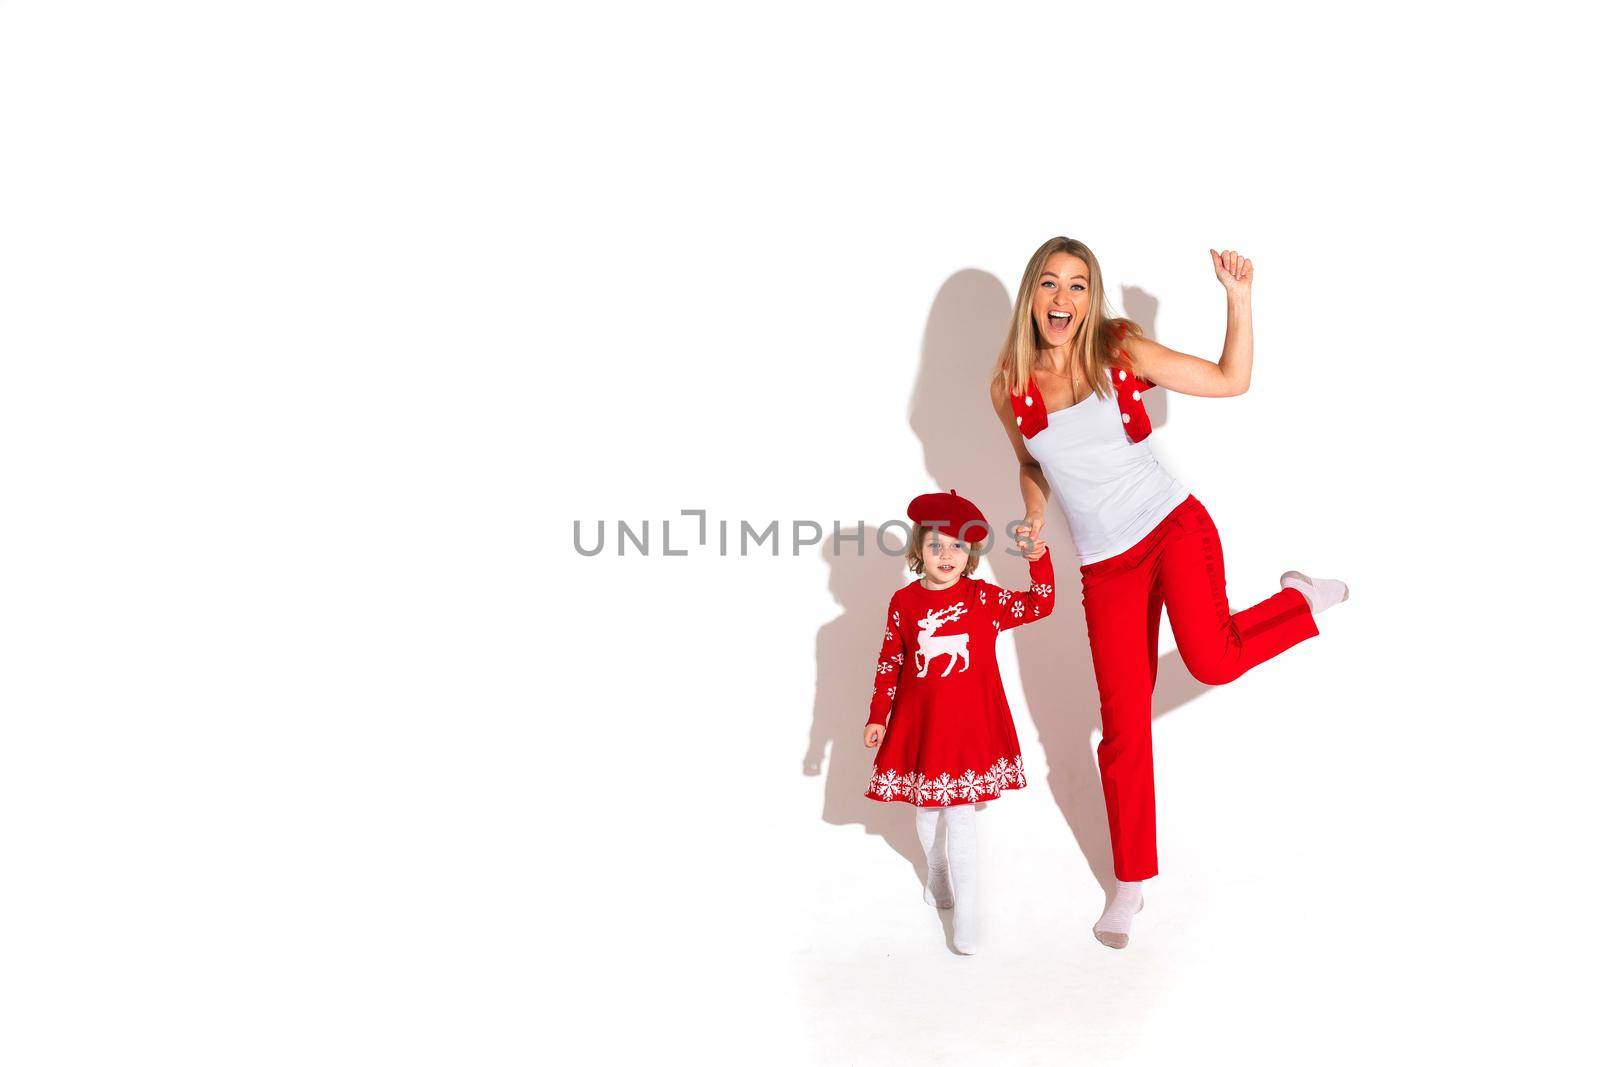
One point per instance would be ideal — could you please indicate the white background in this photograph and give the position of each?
(323, 322)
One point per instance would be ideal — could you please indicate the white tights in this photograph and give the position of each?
(949, 839)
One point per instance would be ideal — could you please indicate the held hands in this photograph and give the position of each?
(1233, 271)
(1030, 542)
(873, 735)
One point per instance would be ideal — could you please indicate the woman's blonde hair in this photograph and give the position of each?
(914, 550)
(1097, 333)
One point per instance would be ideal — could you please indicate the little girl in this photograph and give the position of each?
(950, 741)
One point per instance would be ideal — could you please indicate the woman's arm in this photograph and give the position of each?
(1183, 373)
(1030, 477)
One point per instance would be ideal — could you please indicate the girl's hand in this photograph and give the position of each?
(1233, 271)
(1028, 535)
(873, 735)
(1038, 548)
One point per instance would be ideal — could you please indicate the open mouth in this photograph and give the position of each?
(1059, 321)
(947, 568)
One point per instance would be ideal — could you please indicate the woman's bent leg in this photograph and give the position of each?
(1218, 645)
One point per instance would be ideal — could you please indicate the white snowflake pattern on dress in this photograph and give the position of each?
(1004, 596)
(885, 667)
(967, 787)
(1042, 590)
(1007, 773)
(888, 785)
(914, 788)
(1018, 606)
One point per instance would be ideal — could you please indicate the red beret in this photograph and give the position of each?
(950, 514)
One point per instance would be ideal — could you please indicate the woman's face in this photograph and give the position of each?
(944, 559)
(1061, 300)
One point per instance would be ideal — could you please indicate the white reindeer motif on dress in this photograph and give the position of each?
(952, 645)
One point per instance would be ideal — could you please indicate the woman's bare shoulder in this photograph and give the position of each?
(1000, 396)
(1123, 330)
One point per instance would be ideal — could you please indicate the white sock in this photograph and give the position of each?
(1320, 593)
(961, 822)
(1117, 921)
(931, 832)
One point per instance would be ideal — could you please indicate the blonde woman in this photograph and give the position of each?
(1069, 388)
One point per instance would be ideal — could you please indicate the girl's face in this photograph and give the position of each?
(944, 559)
(1062, 299)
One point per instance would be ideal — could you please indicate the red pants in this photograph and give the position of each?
(1179, 563)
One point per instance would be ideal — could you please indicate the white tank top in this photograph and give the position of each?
(1112, 490)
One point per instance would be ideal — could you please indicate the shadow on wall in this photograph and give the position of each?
(847, 649)
(1140, 306)
(965, 449)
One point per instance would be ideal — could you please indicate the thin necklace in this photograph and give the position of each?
(1075, 379)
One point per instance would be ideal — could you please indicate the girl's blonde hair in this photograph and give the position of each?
(1097, 333)
(914, 550)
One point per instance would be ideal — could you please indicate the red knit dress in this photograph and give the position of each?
(950, 739)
